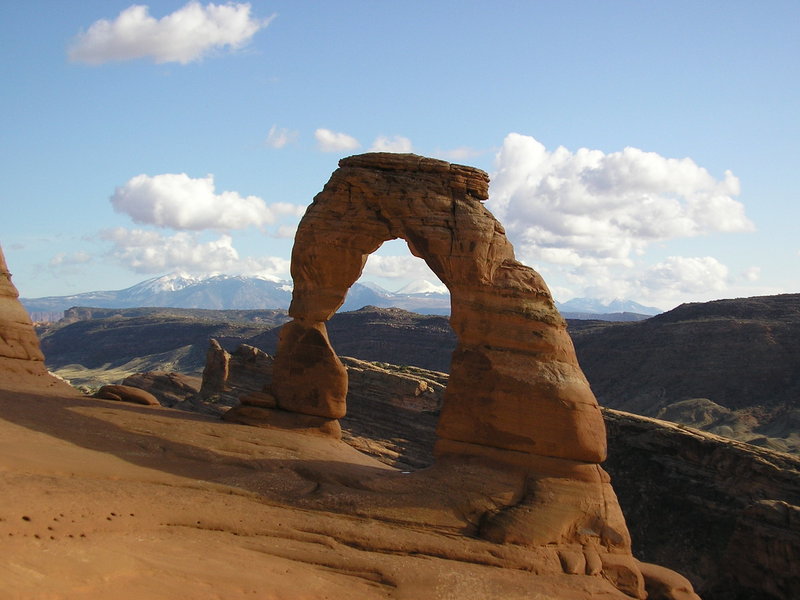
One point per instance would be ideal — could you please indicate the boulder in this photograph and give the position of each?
(126, 393)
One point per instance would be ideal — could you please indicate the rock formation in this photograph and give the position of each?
(516, 396)
(21, 359)
(127, 393)
(724, 513)
(170, 389)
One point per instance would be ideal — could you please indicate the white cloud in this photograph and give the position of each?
(461, 153)
(397, 143)
(278, 137)
(686, 275)
(589, 207)
(152, 252)
(752, 274)
(331, 141)
(398, 267)
(286, 231)
(64, 259)
(183, 36)
(178, 201)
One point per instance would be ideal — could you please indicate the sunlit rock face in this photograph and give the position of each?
(516, 398)
(21, 358)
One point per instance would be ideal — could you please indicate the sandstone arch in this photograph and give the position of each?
(515, 384)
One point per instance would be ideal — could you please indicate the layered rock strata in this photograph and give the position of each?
(516, 397)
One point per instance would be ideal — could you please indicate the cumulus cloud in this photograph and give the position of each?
(183, 36)
(178, 201)
(278, 137)
(585, 207)
(397, 143)
(152, 252)
(332, 141)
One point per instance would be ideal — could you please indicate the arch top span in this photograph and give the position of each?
(515, 384)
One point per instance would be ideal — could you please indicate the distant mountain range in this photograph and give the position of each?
(236, 292)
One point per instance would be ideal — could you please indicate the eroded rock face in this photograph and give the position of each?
(21, 358)
(516, 396)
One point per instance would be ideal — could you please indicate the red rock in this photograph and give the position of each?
(126, 393)
(21, 358)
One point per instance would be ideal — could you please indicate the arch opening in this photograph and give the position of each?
(397, 350)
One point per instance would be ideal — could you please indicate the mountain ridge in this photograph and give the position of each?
(238, 292)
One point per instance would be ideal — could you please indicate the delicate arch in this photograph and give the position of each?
(515, 383)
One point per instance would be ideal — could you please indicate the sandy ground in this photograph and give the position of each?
(107, 500)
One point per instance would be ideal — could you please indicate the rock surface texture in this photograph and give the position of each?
(724, 513)
(516, 398)
(21, 359)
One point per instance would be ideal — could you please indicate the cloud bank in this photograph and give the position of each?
(588, 206)
(178, 201)
(591, 216)
(183, 36)
(152, 252)
(332, 141)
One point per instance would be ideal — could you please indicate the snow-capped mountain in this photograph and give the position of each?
(220, 292)
(178, 291)
(594, 306)
(239, 292)
(421, 286)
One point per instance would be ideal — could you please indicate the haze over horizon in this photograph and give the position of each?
(637, 151)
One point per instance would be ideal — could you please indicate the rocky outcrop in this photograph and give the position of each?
(516, 397)
(724, 513)
(21, 359)
(171, 389)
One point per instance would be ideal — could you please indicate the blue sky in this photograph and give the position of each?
(643, 150)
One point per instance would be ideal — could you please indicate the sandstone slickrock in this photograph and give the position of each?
(21, 359)
(516, 397)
